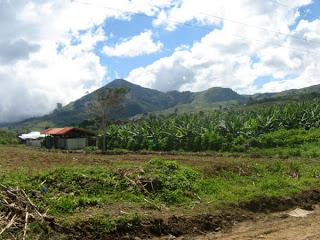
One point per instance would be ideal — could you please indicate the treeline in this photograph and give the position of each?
(7, 137)
(232, 130)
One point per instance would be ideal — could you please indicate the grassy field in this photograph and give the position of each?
(92, 196)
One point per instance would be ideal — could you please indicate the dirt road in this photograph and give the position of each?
(279, 226)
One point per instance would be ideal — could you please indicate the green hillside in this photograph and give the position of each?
(209, 100)
(139, 100)
(293, 94)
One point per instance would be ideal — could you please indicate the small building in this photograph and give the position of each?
(34, 139)
(68, 138)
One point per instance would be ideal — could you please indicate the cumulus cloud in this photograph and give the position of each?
(33, 87)
(34, 75)
(252, 40)
(47, 51)
(141, 44)
(16, 50)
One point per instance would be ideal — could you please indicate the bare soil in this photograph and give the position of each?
(252, 220)
(276, 226)
(12, 157)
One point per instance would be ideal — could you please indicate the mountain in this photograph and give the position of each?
(143, 100)
(293, 94)
(140, 101)
(208, 100)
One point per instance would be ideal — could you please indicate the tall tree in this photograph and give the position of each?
(58, 108)
(106, 102)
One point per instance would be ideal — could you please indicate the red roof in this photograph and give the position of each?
(63, 131)
(56, 131)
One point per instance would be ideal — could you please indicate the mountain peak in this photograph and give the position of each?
(119, 83)
(219, 94)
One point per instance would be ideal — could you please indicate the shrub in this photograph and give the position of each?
(7, 138)
(178, 183)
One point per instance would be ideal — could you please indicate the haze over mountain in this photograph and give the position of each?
(142, 100)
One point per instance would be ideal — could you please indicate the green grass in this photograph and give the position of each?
(305, 150)
(67, 190)
(272, 179)
(71, 189)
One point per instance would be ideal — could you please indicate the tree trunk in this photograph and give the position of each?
(104, 143)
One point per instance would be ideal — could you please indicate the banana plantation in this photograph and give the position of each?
(220, 130)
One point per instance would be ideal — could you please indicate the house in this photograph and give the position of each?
(34, 139)
(68, 138)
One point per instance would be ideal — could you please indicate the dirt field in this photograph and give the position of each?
(194, 223)
(12, 157)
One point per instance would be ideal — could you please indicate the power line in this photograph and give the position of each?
(235, 22)
(287, 6)
(257, 27)
(207, 28)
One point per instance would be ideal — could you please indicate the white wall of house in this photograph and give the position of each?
(76, 143)
(34, 143)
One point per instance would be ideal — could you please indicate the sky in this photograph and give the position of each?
(55, 51)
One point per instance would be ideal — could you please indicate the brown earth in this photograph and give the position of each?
(12, 157)
(277, 226)
(240, 222)
(258, 219)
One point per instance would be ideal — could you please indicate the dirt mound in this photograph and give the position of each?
(178, 226)
(193, 225)
(148, 228)
(305, 199)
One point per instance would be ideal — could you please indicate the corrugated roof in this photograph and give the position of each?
(63, 131)
(57, 131)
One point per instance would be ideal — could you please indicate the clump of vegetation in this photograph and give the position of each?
(67, 190)
(107, 224)
(7, 137)
(284, 138)
(176, 183)
(79, 188)
(90, 149)
(230, 130)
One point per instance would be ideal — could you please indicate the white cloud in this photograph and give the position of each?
(33, 87)
(47, 51)
(197, 69)
(247, 11)
(237, 53)
(141, 44)
(308, 77)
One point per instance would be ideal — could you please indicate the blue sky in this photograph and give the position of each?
(312, 11)
(117, 30)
